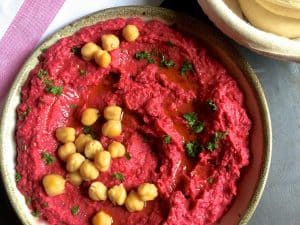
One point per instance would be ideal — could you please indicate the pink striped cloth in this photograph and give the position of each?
(22, 36)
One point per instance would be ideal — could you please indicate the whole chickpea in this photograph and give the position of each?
(112, 112)
(65, 134)
(91, 148)
(88, 171)
(88, 51)
(147, 192)
(53, 184)
(112, 128)
(133, 203)
(74, 162)
(116, 149)
(81, 141)
(130, 33)
(98, 191)
(102, 160)
(103, 59)
(110, 42)
(117, 194)
(102, 218)
(89, 116)
(65, 150)
(74, 178)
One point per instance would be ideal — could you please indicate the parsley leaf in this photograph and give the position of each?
(73, 106)
(212, 105)
(22, 115)
(82, 72)
(118, 176)
(144, 55)
(75, 210)
(42, 73)
(47, 158)
(192, 148)
(193, 122)
(35, 213)
(168, 63)
(167, 139)
(210, 180)
(127, 156)
(56, 90)
(18, 177)
(214, 141)
(186, 67)
(76, 50)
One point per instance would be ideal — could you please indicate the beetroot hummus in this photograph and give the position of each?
(184, 126)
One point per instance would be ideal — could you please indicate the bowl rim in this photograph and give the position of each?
(159, 13)
(244, 33)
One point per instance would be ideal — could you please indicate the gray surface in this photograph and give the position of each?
(280, 204)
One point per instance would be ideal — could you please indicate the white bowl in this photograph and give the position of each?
(231, 22)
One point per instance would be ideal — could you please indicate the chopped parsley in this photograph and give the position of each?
(35, 213)
(170, 43)
(196, 125)
(167, 139)
(73, 106)
(22, 115)
(186, 67)
(45, 205)
(168, 63)
(42, 73)
(214, 141)
(75, 210)
(43, 50)
(76, 50)
(56, 90)
(47, 158)
(82, 72)
(18, 177)
(89, 130)
(212, 105)
(118, 176)
(28, 201)
(144, 55)
(127, 156)
(210, 180)
(192, 149)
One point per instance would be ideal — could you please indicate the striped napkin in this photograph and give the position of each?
(26, 23)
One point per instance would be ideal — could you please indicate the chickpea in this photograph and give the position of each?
(112, 128)
(65, 150)
(88, 51)
(112, 112)
(147, 192)
(74, 178)
(116, 149)
(133, 203)
(103, 58)
(110, 42)
(102, 160)
(130, 32)
(102, 218)
(98, 191)
(74, 162)
(91, 148)
(89, 116)
(81, 141)
(65, 134)
(53, 184)
(88, 171)
(117, 194)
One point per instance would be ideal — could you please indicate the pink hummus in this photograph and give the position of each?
(192, 190)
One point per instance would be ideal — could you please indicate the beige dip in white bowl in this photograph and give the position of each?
(228, 17)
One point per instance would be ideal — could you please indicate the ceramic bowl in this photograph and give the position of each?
(251, 185)
(231, 22)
